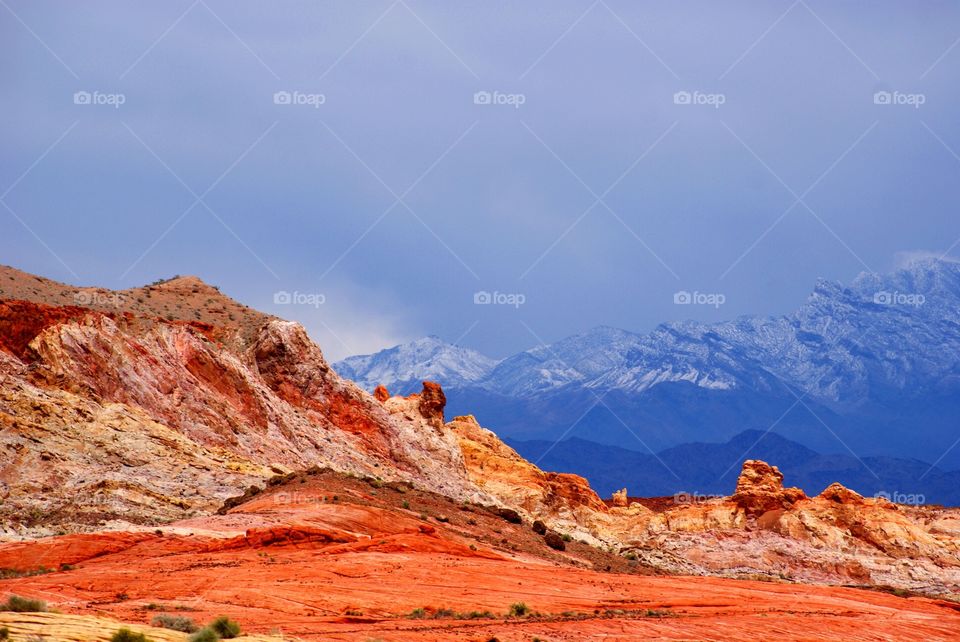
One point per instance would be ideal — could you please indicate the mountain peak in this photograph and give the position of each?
(403, 367)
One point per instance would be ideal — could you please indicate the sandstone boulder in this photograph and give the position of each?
(837, 492)
(432, 402)
(760, 489)
(619, 498)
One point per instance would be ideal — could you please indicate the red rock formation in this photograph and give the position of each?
(21, 321)
(357, 568)
(840, 494)
(381, 394)
(760, 489)
(431, 403)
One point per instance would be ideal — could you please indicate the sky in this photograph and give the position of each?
(499, 174)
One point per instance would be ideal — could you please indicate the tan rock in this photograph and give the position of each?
(619, 498)
(760, 489)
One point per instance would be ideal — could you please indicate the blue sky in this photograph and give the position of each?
(394, 194)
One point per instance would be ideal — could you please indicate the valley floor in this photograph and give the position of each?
(327, 557)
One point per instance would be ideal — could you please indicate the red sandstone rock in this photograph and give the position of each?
(432, 402)
(288, 575)
(760, 489)
(381, 394)
(840, 494)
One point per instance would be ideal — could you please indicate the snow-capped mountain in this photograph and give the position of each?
(402, 368)
(873, 365)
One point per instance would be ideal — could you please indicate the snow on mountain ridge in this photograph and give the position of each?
(879, 333)
(410, 363)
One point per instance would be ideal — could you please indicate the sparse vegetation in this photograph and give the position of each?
(443, 613)
(10, 573)
(519, 609)
(225, 627)
(205, 634)
(4, 633)
(126, 635)
(175, 623)
(18, 604)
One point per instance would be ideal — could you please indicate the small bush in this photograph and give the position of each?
(225, 627)
(205, 634)
(519, 609)
(126, 635)
(418, 614)
(7, 573)
(19, 604)
(175, 623)
(4, 633)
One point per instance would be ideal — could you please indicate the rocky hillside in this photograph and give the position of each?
(156, 403)
(320, 555)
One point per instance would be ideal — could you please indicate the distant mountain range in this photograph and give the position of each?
(698, 469)
(871, 368)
